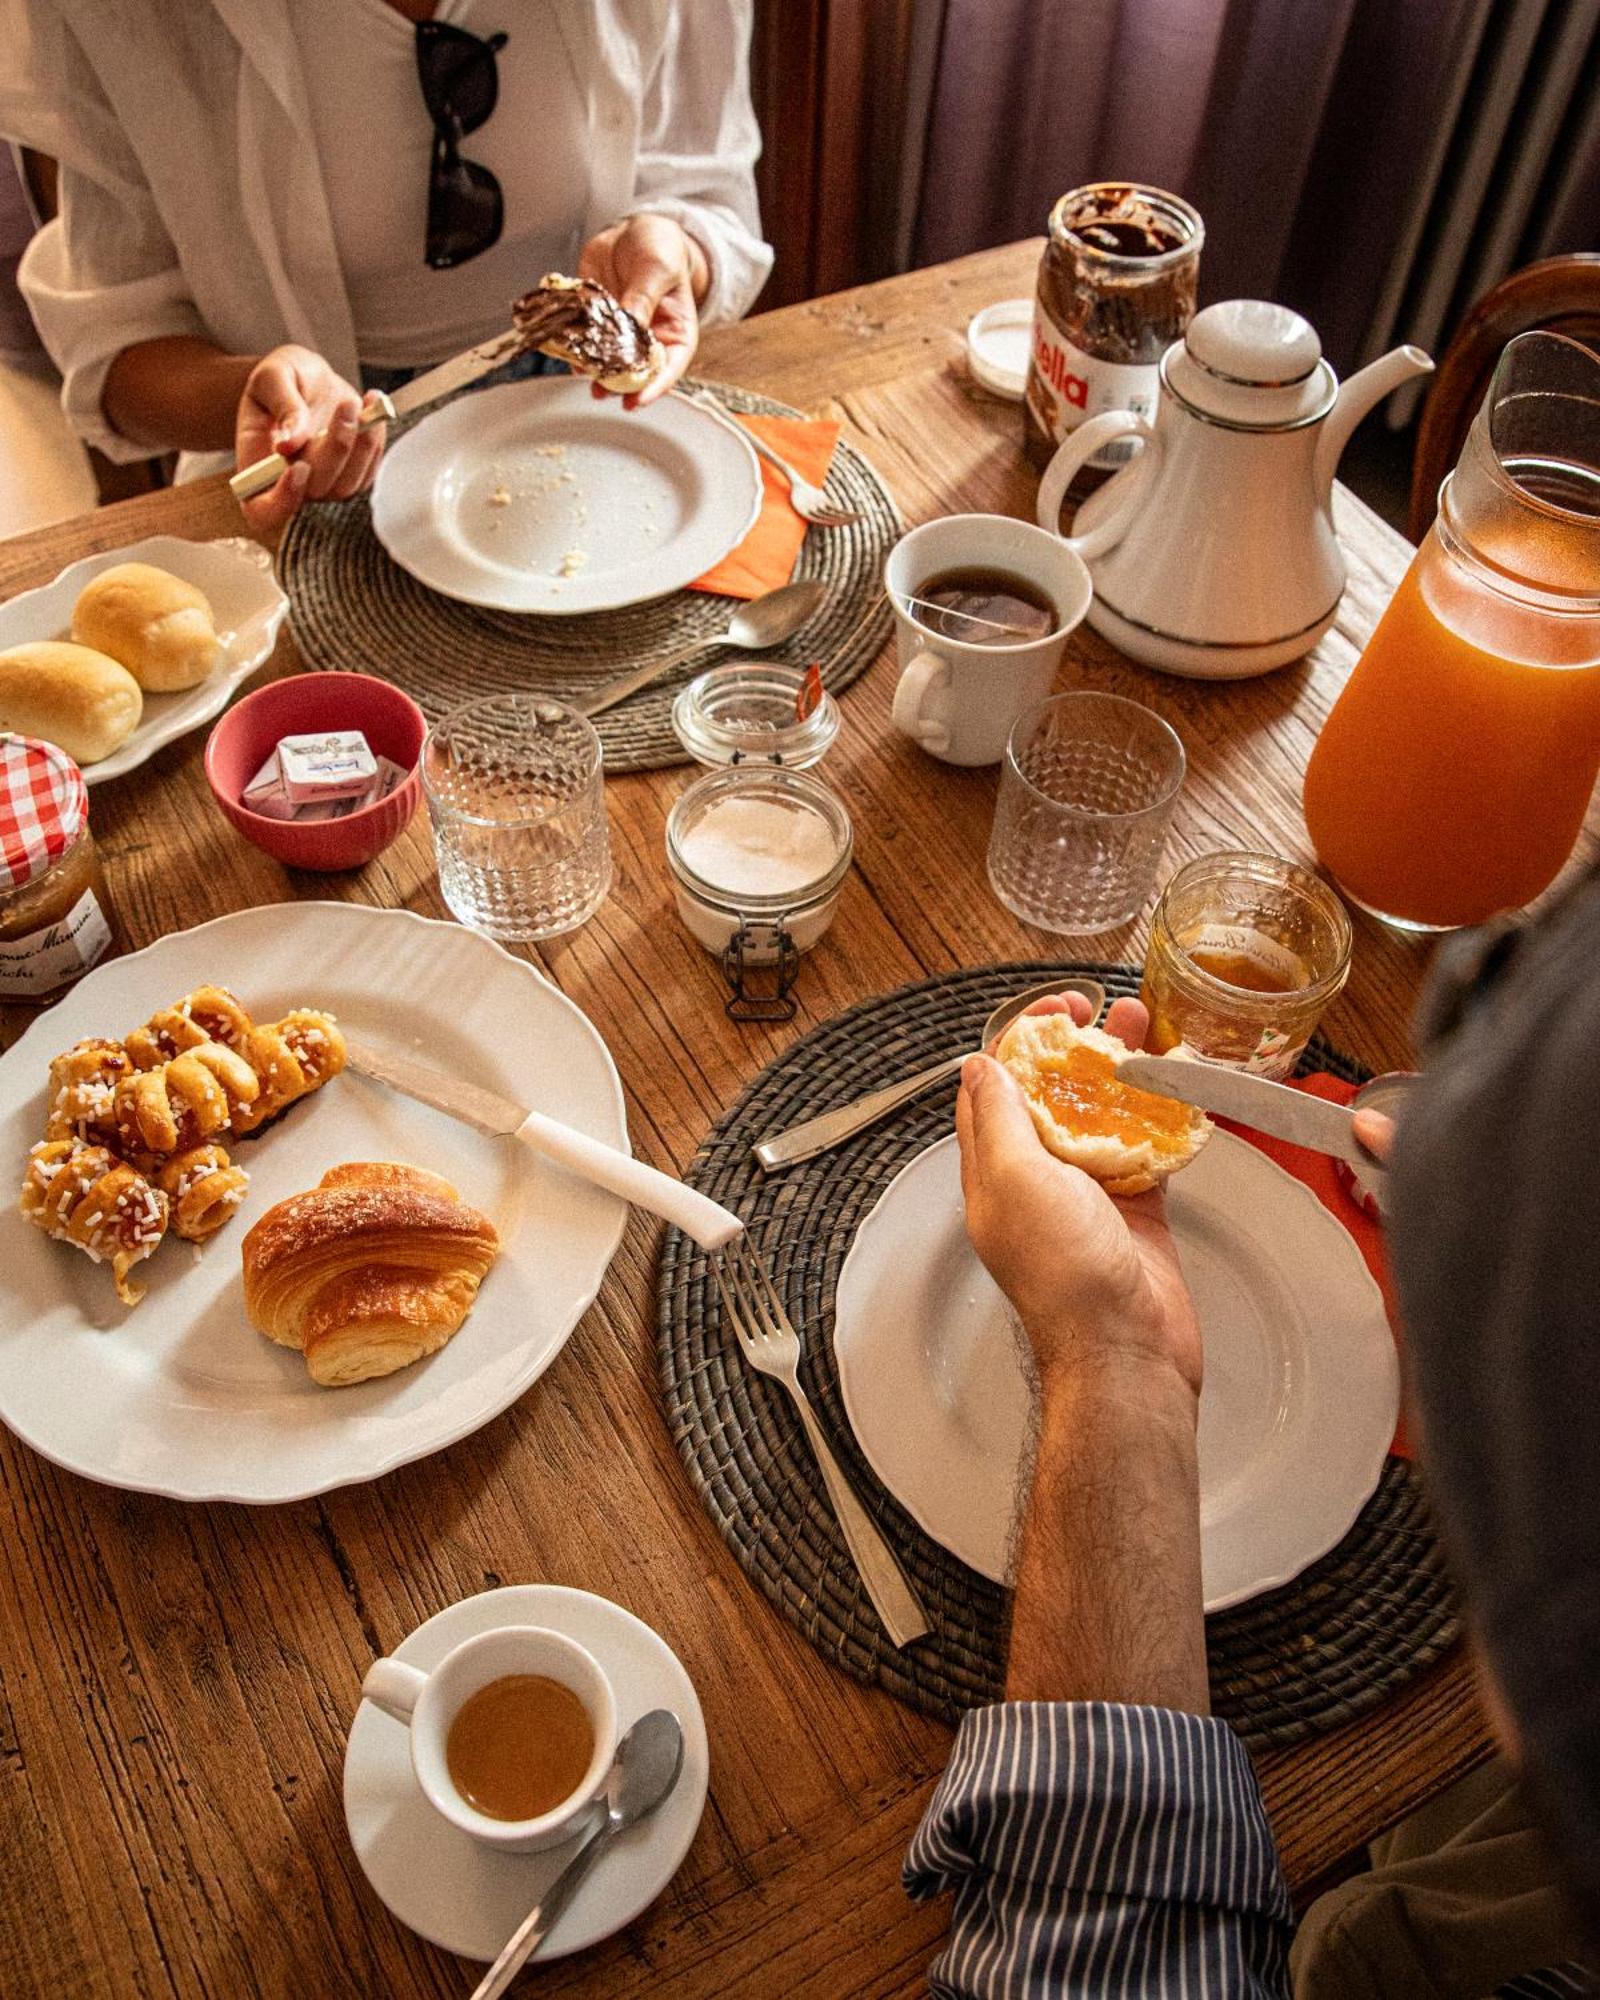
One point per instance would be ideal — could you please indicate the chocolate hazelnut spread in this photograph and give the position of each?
(585, 321)
(1116, 288)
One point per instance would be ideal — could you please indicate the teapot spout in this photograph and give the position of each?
(1366, 388)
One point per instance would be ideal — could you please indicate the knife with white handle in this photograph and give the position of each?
(697, 1215)
(444, 380)
(1273, 1108)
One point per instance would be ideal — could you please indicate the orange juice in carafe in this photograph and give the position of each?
(1452, 777)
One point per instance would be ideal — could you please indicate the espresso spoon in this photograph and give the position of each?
(648, 1761)
(831, 1128)
(754, 628)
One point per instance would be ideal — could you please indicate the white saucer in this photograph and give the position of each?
(463, 1896)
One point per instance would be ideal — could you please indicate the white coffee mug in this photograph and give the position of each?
(959, 701)
(429, 1703)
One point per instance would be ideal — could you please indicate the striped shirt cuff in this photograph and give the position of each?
(1088, 1843)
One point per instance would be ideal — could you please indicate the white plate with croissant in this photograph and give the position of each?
(130, 649)
(330, 1279)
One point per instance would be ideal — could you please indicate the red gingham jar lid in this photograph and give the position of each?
(44, 806)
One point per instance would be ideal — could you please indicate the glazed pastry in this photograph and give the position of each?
(204, 1188)
(208, 1014)
(291, 1058)
(183, 1103)
(370, 1271)
(83, 1084)
(579, 322)
(86, 1196)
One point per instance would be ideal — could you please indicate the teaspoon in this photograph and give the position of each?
(831, 1128)
(754, 628)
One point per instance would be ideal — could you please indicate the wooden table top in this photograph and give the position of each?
(179, 1680)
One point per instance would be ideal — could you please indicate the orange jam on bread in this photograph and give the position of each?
(1081, 1091)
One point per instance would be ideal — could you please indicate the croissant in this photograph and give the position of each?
(183, 1103)
(291, 1058)
(370, 1271)
(203, 1188)
(85, 1195)
(83, 1083)
(208, 1014)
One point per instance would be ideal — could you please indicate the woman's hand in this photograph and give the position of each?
(293, 402)
(1093, 1279)
(659, 273)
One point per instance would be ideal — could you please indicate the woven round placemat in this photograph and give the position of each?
(353, 607)
(1292, 1662)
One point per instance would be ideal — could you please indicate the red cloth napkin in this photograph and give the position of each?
(1321, 1174)
(767, 555)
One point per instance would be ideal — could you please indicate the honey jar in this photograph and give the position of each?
(53, 905)
(1246, 952)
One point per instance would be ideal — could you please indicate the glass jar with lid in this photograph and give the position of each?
(53, 905)
(756, 714)
(758, 854)
(1116, 288)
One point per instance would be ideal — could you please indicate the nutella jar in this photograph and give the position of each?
(1116, 288)
(53, 923)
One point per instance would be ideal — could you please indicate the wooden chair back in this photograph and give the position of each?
(1559, 295)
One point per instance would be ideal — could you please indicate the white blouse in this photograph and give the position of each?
(231, 169)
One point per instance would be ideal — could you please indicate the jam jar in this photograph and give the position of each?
(1116, 288)
(53, 905)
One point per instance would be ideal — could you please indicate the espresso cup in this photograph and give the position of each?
(429, 1703)
(958, 700)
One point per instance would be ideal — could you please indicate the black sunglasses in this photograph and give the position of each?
(460, 86)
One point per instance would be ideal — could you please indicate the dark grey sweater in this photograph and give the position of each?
(1495, 1240)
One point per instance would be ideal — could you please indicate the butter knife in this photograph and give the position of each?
(697, 1215)
(1273, 1108)
(449, 376)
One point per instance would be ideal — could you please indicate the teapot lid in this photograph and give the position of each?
(1250, 364)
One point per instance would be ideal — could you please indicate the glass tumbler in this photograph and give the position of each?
(515, 792)
(1087, 791)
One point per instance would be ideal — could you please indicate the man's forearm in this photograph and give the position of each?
(1108, 1603)
(178, 393)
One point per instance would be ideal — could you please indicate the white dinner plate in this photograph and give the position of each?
(537, 497)
(180, 1395)
(469, 1898)
(236, 576)
(1301, 1394)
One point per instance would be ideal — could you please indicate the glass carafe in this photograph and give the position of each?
(1452, 777)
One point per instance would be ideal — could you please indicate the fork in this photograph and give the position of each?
(808, 501)
(771, 1345)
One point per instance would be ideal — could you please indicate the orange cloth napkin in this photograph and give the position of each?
(767, 555)
(1319, 1173)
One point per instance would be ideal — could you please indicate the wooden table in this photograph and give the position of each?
(179, 1680)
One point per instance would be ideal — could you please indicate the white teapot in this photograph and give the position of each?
(1213, 552)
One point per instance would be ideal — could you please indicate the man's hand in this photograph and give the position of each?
(1091, 1278)
(659, 273)
(293, 402)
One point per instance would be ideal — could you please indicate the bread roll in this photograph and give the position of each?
(71, 696)
(1126, 1139)
(158, 626)
(577, 321)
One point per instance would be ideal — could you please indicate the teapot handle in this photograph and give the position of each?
(1084, 442)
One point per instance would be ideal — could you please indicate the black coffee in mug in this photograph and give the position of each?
(985, 607)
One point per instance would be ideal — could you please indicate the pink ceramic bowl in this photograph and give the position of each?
(306, 704)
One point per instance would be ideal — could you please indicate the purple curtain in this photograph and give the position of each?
(1301, 129)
